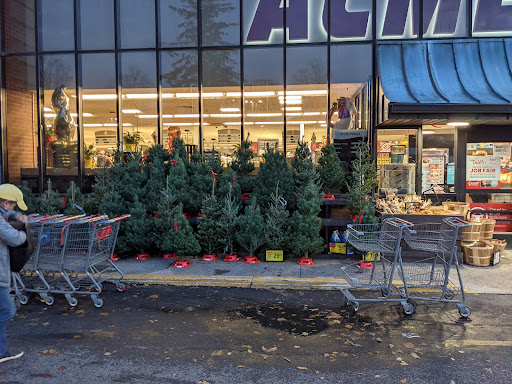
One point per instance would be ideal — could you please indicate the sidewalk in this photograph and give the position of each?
(325, 274)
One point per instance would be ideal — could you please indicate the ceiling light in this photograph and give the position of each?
(85, 114)
(302, 122)
(428, 132)
(141, 95)
(263, 114)
(318, 92)
(147, 116)
(291, 101)
(99, 97)
(93, 125)
(109, 125)
(50, 115)
(187, 115)
(127, 125)
(46, 109)
(183, 95)
(458, 124)
(291, 97)
(230, 109)
(292, 109)
(213, 94)
(225, 115)
(259, 94)
(131, 111)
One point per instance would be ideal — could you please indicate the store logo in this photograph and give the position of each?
(441, 18)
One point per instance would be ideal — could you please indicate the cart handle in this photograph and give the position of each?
(116, 219)
(49, 218)
(404, 221)
(462, 221)
(412, 231)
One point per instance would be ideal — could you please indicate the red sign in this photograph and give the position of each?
(254, 147)
(501, 226)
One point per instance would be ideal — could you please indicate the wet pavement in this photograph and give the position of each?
(165, 334)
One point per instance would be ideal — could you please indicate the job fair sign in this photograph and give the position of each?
(483, 172)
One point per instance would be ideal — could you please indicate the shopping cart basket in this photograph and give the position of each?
(385, 238)
(433, 272)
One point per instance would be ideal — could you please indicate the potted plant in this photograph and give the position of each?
(275, 227)
(131, 140)
(89, 152)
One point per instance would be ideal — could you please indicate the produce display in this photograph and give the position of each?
(412, 204)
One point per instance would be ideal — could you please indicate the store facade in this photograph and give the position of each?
(80, 78)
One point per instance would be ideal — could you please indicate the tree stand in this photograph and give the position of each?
(115, 257)
(209, 257)
(306, 261)
(181, 264)
(231, 257)
(251, 259)
(142, 256)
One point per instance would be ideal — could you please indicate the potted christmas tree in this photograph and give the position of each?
(251, 231)
(73, 201)
(361, 184)
(275, 227)
(330, 171)
(303, 167)
(305, 229)
(229, 225)
(209, 227)
(138, 232)
(49, 202)
(242, 165)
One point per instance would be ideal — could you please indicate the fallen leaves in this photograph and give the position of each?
(217, 353)
(49, 352)
(303, 368)
(273, 349)
(415, 355)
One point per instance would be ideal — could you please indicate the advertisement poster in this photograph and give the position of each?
(502, 150)
(501, 226)
(483, 172)
(450, 174)
(432, 170)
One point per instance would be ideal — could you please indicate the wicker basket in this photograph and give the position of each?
(477, 253)
(472, 233)
(498, 245)
(457, 207)
(487, 230)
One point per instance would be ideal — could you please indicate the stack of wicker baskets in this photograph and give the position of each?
(476, 243)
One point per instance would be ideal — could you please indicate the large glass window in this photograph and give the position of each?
(397, 159)
(138, 80)
(178, 23)
(221, 22)
(59, 103)
(18, 25)
(21, 120)
(137, 23)
(97, 24)
(488, 166)
(437, 159)
(99, 109)
(264, 98)
(306, 87)
(180, 98)
(56, 25)
(221, 97)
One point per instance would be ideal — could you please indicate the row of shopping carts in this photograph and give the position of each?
(434, 276)
(72, 256)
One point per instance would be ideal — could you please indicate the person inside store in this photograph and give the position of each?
(345, 110)
(10, 197)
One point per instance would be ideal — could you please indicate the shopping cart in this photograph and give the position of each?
(384, 238)
(433, 272)
(72, 257)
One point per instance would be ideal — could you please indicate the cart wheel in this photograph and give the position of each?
(121, 287)
(464, 311)
(355, 307)
(384, 292)
(73, 301)
(449, 294)
(23, 299)
(414, 304)
(98, 302)
(49, 300)
(408, 308)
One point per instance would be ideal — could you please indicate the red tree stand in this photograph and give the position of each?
(181, 264)
(306, 261)
(251, 259)
(209, 257)
(231, 257)
(169, 256)
(142, 256)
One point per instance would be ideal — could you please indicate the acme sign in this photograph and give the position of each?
(307, 20)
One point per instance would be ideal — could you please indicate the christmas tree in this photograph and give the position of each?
(361, 184)
(49, 202)
(251, 228)
(74, 201)
(229, 221)
(330, 170)
(155, 170)
(138, 230)
(179, 238)
(304, 232)
(303, 167)
(242, 165)
(209, 227)
(274, 169)
(112, 204)
(277, 222)
(30, 200)
(200, 177)
(179, 181)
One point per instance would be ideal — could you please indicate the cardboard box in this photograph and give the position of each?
(274, 255)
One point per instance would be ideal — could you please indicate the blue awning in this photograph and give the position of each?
(447, 72)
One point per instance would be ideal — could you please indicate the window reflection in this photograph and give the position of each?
(139, 99)
(306, 87)
(137, 23)
(97, 24)
(263, 110)
(59, 103)
(56, 25)
(221, 22)
(18, 21)
(178, 23)
(180, 98)
(21, 119)
(99, 109)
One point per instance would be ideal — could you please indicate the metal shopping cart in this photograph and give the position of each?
(433, 272)
(385, 238)
(72, 256)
